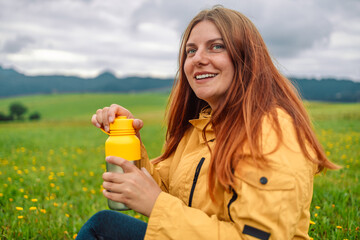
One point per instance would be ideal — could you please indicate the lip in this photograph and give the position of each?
(204, 73)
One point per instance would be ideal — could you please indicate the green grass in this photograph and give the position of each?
(50, 171)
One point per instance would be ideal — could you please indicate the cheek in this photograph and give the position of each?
(187, 68)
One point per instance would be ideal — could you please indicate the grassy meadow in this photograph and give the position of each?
(50, 170)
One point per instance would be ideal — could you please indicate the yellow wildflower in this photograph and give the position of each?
(10, 199)
(43, 210)
(339, 227)
(19, 172)
(19, 208)
(67, 215)
(52, 185)
(21, 190)
(75, 235)
(32, 208)
(1, 194)
(316, 215)
(26, 196)
(84, 189)
(317, 207)
(20, 217)
(312, 222)
(9, 179)
(34, 200)
(55, 204)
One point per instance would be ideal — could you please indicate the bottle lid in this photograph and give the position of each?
(122, 124)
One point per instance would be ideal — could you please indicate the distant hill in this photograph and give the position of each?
(13, 83)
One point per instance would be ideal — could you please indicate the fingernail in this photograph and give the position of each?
(107, 158)
(111, 119)
(106, 128)
(98, 125)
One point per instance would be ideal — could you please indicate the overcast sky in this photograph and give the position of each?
(307, 38)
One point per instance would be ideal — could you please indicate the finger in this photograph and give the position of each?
(112, 187)
(113, 177)
(117, 197)
(127, 166)
(148, 175)
(117, 110)
(94, 121)
(105, 119)
(99, 116)
(137, 124)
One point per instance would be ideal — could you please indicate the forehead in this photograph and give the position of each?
(204, 30)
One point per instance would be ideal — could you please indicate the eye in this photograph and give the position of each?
(190, 51)
(217, 47)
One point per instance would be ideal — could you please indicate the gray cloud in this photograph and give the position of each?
(142, 36)
(17, 44)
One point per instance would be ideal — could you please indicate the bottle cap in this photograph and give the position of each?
(121, 123)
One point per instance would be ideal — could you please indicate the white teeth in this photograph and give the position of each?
(202, 76)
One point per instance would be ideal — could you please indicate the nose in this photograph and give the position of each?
(201, 57)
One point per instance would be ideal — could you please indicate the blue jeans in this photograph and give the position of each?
(112, 225)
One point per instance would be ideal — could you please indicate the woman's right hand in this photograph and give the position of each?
(107, 115)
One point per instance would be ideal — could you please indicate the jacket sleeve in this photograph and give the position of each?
(269, 202)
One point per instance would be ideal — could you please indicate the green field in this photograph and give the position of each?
(50, 170)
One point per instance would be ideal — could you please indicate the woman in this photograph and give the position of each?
(240, 153)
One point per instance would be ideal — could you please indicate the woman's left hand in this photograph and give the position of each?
(135, 188)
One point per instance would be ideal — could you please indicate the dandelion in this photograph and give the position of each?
(333, 205)
(9, 179)
(21, 190)
(19, 208)
(19, 172)
(43, 211)
(137, 216)
(91, 174)
(93, 191)
(20, 217)
(11, 200)
(16, 168)
(67, 215)
(75, 235)
(1, 194)
(32, 208)
(52, 185)
(26, 171)
(84, 189)
(34, 200)
(34, 168)
(42, 168)
(56, 204)
(312, 222)
(317, 207)
(26, 196)
(339, 227)
(316, 215)
(5, 185)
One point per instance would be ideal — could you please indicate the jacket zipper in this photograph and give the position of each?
(197, 172)
(234, 197)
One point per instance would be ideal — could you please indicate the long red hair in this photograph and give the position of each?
(257, 89)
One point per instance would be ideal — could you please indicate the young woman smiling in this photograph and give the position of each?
(240, 153)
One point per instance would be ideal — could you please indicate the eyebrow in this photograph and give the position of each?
(207, 42)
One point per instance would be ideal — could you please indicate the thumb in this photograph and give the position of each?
(137, 124)
(148, 174)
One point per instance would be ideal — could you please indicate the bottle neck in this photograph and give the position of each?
(122, 132)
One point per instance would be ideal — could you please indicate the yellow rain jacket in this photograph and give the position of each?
(267, 203)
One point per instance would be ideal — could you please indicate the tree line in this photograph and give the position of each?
(17, 112)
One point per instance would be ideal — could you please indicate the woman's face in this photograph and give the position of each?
(208, 66)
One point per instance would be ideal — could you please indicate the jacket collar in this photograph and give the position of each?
(200, 123)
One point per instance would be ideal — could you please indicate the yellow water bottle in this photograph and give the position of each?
(123, 143)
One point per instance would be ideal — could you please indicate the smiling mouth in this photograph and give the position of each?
(203, 76)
